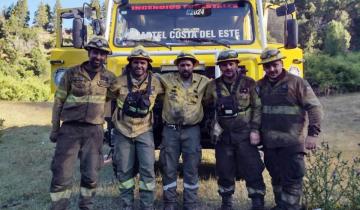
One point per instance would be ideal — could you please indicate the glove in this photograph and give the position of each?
(53, 136)
(254, 138)
(216, 132)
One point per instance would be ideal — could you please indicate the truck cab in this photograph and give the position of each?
(164, 28)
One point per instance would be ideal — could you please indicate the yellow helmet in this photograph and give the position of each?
(139, 52)
(227, 55)
(186, 55)
(98, 43)
(270, 55)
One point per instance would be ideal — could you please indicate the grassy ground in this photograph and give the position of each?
(26, 152)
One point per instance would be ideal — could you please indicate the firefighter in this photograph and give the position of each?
(79, 103)
(286, 99)
(182, 113)
(135, 93)
(238, 114)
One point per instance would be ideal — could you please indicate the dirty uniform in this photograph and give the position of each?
(285, 104)
(235, 156)
(182, 113)
(134, 140)
(79, 103)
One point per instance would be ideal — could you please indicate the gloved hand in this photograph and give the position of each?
(254, 138)
(310, 142)
(53, 136)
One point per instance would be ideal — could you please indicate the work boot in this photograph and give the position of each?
(190, 207)
(277, 189)
(226, 203)
(148, 208)
(257, 202)
(170, 206)
(61, 204)
(86, 203)
(127, 208)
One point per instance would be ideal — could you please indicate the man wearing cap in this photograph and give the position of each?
(135, 91)
(79, 103)
(286, 99)
(238, 112)
(182, 113)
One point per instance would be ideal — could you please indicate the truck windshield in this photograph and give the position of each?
(224, 23)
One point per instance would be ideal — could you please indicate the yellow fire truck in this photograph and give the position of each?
(166, 27)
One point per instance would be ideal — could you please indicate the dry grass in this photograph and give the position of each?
(26, 152)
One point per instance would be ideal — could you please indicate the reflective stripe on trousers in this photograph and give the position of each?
(226, 189)
(86, 192)
(253, 191)
(171, 185)
(130, 183)
(191, 186)
(60, 195)
(150, 186)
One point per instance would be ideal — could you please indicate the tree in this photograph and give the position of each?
(41, 16)
(95, 3)
(54, 17)
(22, 12)
(337, 38)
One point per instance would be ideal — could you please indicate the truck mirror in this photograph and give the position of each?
(98, 26)
(285, 9)
(292, 34)
(88, 11)
(79, 33)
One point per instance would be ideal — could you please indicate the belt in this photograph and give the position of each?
(177, 126)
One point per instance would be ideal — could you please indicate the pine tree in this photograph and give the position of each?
(22, 12)
(53, 20)
(41, 16)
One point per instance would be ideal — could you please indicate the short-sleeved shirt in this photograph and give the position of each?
(183, 105)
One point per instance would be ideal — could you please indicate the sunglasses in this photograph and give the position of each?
(140, 52)
(101, 43)
(228, 54)
(269, 54)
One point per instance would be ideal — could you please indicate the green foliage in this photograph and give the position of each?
(330, 181)
(336, 74)
(53, 20)
(42, 16)
(315, 15)
(23, 89)
(337, 39)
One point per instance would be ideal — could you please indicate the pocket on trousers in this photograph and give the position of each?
(297, 166)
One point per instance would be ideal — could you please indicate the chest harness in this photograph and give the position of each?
(137, 104)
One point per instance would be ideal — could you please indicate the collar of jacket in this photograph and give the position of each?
(87, 66)
(281, 77)
(194, 78)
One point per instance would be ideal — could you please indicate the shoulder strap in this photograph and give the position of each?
(218, 88)
(129, 83)
(197, 87)
(236, 86)
(148, 88)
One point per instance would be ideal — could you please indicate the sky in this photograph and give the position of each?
(33, 4)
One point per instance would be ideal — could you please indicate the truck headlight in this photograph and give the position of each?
(59, 73)
(294, 70)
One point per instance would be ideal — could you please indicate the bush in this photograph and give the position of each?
(25, 89)
(331, 182)
(338, 74)
(337, 39)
